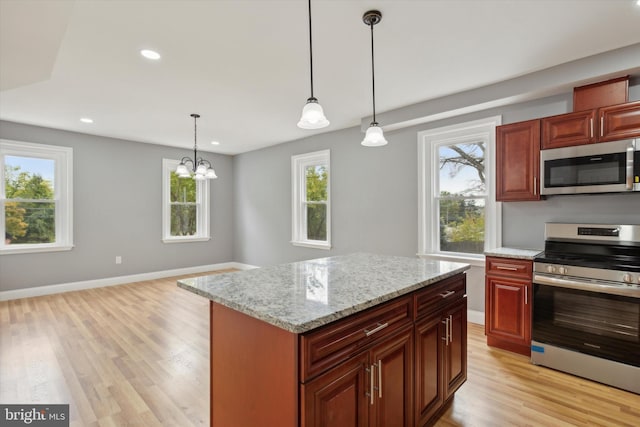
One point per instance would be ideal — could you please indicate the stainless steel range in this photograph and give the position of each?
(586, 303)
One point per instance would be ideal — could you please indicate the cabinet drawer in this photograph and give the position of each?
(324, 348)
(434, 297)
(517, 268)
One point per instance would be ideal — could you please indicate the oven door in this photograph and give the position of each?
(591, 321)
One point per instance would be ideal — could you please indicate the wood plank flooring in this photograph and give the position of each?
(137, 355)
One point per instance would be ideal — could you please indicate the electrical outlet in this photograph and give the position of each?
(118, 259)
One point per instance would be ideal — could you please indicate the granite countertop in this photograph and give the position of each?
(305, 295)
(514, 253)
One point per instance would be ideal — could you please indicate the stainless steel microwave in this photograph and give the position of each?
(606, 167)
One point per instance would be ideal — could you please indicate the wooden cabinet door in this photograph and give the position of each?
(455, 350)
(518, 161)
(392, 367)
(619, 122)
(509, 316)
(429, 336)
(569, 129)
(338, 398)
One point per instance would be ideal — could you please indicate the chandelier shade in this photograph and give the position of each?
(374, 137)
(201, 168)
(312, 113)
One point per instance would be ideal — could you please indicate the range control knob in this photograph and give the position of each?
(551, 269)
(562, 270)
(627, 278)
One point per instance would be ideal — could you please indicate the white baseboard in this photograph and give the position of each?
(475, 316)
(119, 280)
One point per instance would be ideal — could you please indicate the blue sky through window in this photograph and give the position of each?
(33, 165)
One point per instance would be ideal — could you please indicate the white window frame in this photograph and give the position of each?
(429, 142)
(62, 194)
(202, 200)
(299, 163)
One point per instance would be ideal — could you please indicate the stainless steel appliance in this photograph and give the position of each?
(592, 168)
(586, 303)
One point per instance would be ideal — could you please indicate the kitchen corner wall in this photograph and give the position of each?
(117, 201)
(374, 196)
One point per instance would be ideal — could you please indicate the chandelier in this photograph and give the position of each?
(201, 169)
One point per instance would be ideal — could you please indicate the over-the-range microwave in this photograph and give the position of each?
(606, 167)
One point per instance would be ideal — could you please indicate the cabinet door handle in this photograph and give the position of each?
(535, 186)
(602, 125)
(380, 378)
(450, 328)
(526, 295)
(446, 331)
(591, 125)
(499, 267)
(447, 294)
(371, 379)
(380, 327)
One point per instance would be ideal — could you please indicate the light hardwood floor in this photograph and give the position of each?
(137, 355)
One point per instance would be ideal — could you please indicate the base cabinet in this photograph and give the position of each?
(508, 292)
(441, 359)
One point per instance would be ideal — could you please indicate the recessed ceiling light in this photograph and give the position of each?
(215, 142)
(86, 120)
(150, 54)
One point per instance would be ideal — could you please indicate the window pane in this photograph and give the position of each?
(317, 222)
(28, 178)
(462, 169)
(183, 220)
(462, 225)
(316, 177)
(183, 190)
(30, 222)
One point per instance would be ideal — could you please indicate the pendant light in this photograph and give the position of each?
(374, 136)
(312, 113)
(201, 169)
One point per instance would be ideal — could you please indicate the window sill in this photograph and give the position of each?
(8, 250)
(477, 261)
(315, 245)
(186, 240)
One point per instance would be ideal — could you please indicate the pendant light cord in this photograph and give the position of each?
(195, 140)
(373, 75)
(310, 50)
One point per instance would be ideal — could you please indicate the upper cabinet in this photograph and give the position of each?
(586, 127)
(518, 161)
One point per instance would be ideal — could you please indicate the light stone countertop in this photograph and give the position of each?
(514, 253)
(305, 295)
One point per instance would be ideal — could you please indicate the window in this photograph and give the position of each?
(185, 201)
(35, 197)
(459, 217)
(311, 200)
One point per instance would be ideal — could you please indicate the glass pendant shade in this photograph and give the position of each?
(374, 136)
(211, 174)
(313, 116)
(182, 170)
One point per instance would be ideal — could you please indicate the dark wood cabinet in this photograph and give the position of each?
(591, 126)
(441, 358)
(518, 161)
(508, 293)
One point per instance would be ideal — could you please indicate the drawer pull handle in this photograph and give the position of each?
(447, 294)
(380, 327)
(499, 267)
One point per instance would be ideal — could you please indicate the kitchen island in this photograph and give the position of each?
(361, 339)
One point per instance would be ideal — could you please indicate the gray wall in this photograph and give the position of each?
(117, 202)
(375, 197)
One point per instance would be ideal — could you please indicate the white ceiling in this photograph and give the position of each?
(244, 65)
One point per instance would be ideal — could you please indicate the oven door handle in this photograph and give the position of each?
(583, 285)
